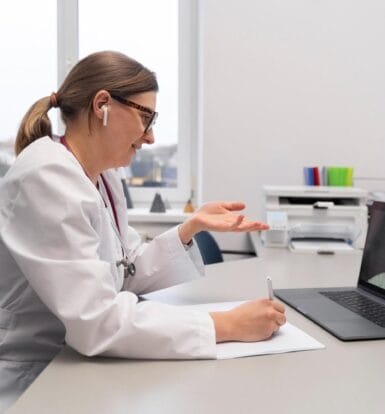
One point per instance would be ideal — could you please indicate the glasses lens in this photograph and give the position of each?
(152, 121)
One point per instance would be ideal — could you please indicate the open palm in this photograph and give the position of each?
(225, 216)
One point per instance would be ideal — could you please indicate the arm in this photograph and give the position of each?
(171, 264)
(164, 262)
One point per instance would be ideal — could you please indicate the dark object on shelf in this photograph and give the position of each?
(157, 205)
(167, 204)
(127, 194)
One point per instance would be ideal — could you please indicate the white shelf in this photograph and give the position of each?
(136, 215)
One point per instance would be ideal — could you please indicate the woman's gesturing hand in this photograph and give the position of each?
(219, 216)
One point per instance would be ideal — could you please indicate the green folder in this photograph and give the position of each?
(349, 178)
(340, 176)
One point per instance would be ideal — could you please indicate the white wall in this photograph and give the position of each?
(286, 84)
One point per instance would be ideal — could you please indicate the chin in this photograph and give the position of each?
(128, 159)
(124, 162)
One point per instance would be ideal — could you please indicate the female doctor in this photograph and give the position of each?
(71, 268)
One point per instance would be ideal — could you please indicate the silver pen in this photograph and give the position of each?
(269, 288)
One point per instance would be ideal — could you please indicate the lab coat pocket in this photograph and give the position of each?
(6, 323)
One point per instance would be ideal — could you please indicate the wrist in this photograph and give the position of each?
(187, 231)
(187, 246)
(222, 324)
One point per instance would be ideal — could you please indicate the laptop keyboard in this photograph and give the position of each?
(360, 304)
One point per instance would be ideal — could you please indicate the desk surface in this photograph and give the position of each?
(343, 378)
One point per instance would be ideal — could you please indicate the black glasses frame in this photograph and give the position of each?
(127, 102)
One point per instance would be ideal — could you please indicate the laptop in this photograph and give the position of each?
(351, 313)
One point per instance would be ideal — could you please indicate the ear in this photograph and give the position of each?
(101, 99)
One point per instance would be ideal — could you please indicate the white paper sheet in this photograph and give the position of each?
(305, 246)
(288, 339)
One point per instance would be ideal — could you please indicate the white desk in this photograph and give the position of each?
(343, 378)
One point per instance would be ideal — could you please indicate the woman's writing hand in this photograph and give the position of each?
(252, 321)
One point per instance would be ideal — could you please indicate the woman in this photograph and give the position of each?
(71, 267)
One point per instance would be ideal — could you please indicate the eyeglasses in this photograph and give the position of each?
(153, 115)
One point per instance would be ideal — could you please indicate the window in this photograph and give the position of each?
(29, 65)
(148, 31)
(158, 34)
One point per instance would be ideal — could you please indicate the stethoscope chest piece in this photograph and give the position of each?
(130, 270)
(129, 267)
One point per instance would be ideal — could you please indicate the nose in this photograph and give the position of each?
(149, 137)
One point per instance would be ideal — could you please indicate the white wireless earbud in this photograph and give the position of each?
(105, 114)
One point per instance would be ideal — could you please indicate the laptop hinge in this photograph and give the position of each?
(371, 291)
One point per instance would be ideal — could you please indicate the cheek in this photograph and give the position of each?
(123, 138)
(132, 133)
(125, 128)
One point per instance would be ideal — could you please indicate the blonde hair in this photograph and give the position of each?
(112, 71)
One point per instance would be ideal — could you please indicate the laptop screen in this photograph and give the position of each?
(372, 273)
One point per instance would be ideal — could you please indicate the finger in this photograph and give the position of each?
(252, 226)
(278, 306)
(257, 223)
(234, 224)
(276, 328)
(261, 226)
(234, 205)
(232, 219)
(255, 226)
(238, 221)
(281, 319)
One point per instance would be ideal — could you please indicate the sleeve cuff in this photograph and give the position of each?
(174, 243)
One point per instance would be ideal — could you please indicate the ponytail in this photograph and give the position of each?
(34, 125)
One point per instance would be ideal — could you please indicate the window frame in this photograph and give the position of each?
(68, 55)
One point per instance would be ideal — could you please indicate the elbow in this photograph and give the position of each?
(91, 340)
(83, 348)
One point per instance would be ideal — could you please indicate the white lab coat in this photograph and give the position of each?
(59, 281)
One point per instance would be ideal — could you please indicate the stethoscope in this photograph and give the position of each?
(129, 268)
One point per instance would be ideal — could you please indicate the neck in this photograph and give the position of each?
(85, 149)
